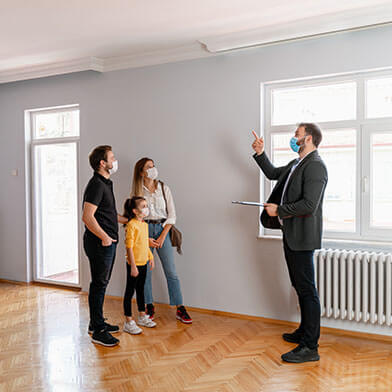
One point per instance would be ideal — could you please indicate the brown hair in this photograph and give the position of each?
(313, 130)
(137, 182)
(130, 205)
(99, 154)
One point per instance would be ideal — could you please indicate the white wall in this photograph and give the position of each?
(194, 118)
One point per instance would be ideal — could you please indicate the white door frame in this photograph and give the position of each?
(33, 189)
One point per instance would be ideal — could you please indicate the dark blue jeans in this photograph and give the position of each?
(101, 265)
(301, 271)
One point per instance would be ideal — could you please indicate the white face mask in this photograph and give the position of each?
(145, 212)
(152, 173)
(114, 167)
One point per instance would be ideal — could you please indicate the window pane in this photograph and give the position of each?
(282, 154)
(332, 102)
(381, 181)
(379, 98)
(56, 124)
(338, 150)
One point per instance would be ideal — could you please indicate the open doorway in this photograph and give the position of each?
(54, 154)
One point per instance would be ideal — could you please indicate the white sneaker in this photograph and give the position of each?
(145, 321)
(132, 328)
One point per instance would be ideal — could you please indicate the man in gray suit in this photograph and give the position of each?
(295, 207)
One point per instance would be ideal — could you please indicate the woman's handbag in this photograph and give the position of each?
(175, 234)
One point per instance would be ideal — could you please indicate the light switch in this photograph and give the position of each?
(14, 172)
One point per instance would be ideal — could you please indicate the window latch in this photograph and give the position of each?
(365, 184)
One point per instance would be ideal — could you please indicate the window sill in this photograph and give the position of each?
(372, 246)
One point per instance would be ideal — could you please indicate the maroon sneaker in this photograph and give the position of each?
(150, 311)
(183, 315)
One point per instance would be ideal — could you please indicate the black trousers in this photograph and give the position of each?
(301, 271)
(101, 260)
(135, 283)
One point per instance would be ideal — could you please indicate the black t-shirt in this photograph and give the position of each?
(99, 191)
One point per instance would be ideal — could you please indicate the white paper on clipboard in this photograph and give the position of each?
(249, 203)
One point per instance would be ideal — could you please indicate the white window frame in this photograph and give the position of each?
(363, 126)
(367, 132)
(34, 143)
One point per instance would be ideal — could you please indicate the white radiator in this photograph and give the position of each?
(354, 285)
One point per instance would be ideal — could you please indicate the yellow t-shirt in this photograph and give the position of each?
(136, 238)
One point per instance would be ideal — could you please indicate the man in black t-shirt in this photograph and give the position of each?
(100, 239)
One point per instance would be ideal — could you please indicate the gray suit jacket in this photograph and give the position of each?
(301, 210)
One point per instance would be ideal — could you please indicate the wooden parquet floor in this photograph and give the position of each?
(45, 347)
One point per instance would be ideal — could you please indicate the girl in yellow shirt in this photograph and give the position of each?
(138, 254)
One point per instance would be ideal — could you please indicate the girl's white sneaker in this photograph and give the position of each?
(145, 321)
(132, 328)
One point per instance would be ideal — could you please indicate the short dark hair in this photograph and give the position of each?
(97, 155)
(313, 130)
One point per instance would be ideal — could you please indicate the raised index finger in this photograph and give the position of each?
(255, 135)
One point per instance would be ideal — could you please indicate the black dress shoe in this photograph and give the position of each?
(301, 354)
(294, 337)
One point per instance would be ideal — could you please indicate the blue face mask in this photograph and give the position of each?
(293, 144)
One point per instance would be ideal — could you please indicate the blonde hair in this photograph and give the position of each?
(137, 182)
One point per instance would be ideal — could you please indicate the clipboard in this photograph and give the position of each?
(249, 203)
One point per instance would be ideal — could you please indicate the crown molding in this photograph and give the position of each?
(180, 53)
(351, 20)
(51, 69)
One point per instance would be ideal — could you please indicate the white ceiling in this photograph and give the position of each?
(43, 37)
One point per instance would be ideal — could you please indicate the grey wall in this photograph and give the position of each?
(194, 118)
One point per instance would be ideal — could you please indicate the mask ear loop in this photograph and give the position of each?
(303, 144)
